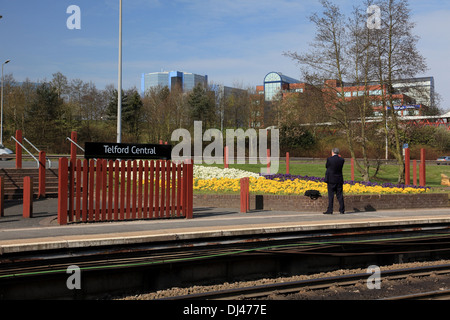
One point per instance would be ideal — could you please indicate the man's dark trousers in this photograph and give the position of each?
(335, 181)
(338, 189)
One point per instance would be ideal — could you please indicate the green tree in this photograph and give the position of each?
(131, 112)
(47, 118)
(202, 106)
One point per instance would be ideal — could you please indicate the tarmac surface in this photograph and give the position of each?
(41, 232)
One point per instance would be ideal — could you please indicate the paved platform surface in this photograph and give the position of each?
(18, 234)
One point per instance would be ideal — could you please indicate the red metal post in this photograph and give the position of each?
(268, 161)
(245, 194)
(422, 177)
(62, 191)
(27, 197)
(41, 187)
(19, 149)
(407, 167)
(287, 162)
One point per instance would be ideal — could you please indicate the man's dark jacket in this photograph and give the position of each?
(333, 174)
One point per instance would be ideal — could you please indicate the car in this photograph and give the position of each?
(5, 151)
(443, 160)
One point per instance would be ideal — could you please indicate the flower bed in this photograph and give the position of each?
(212, 179)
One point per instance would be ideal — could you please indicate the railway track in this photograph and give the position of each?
(285, 288)
(157, 266)
(431, 295)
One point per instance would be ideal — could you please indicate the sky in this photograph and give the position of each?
(234, 42)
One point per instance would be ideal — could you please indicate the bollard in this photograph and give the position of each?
(27, 197)
(41, 182)
(18, 149)
(407, 167)
(245, 194)
(62, 191)
(287, 162)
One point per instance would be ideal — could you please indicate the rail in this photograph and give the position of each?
(67, 138)
(49, 161)
(23, 147)
(290, 287)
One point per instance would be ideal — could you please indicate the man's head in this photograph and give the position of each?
(335, 151)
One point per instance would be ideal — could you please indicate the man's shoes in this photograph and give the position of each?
(326, 212)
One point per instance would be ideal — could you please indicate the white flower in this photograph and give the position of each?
(202, 172)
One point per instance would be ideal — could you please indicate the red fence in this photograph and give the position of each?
(112, 190)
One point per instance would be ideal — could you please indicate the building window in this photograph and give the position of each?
(271, 89)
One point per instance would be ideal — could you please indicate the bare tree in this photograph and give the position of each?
(351, 50)
(398, 58)
(330, 59)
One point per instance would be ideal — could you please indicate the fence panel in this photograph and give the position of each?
(102, 190)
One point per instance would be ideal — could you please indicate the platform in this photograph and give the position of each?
(18, 234)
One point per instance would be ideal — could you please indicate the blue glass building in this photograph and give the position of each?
(274, 82)
(185, 80)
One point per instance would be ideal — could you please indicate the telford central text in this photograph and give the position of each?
(126, 150)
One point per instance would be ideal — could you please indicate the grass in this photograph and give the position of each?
(386, 173)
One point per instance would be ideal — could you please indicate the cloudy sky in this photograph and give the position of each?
(234, 42)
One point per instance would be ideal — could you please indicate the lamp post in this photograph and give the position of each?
(119, 90)
(1, 125)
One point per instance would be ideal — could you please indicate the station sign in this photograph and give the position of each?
(127, 151)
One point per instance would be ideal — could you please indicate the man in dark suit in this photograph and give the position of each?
(335, 180)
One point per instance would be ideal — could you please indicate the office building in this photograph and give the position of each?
(411, 96)
(184, 80)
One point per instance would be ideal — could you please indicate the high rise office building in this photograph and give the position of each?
(185, 80)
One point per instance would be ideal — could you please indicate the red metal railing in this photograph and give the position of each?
(112, 190)
(245, 194)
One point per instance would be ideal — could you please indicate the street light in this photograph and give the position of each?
(1, 129)
(119, 90)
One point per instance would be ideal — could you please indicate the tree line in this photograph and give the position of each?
(48, 111)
